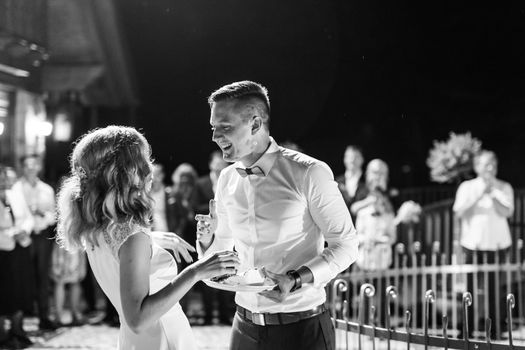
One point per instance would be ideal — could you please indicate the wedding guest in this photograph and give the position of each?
(16, 291)
(351, 183)
(105, 207)
(41, 200)
(375, 220)
(484, 205)
(160, 194)
(278, 207)
(206, 185)
(181, 212)
(205, 191)
(68, 269)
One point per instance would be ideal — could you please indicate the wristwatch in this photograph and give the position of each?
(297, 279)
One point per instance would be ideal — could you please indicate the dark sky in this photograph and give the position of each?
(390, 76)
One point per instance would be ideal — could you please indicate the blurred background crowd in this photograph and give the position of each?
(395, 97)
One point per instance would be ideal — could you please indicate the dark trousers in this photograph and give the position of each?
(315, 333)
(41, 249)
(491, 293)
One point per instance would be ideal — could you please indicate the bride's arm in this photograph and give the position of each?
(140, 309)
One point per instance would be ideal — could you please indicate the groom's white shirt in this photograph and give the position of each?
(281, 222)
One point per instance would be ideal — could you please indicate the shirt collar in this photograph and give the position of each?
(265, 162)
(354, 175)
(28, 184)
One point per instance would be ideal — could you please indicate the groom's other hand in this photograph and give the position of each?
(206, 226)
(283, 288)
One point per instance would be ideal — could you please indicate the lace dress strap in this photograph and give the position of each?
(118, 234)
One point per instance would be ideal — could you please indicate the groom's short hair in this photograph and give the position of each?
(244, 91)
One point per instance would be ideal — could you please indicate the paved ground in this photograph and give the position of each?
(208, 338)
(105, 338)
(216, 337)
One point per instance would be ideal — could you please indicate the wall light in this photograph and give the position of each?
(2, 127)
(62, 127)
(45, 128)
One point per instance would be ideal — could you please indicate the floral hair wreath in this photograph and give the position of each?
(84, 177)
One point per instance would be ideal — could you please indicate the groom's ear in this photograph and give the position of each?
(257, 124)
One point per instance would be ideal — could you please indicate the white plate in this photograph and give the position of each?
(251, 280)
(253, 287)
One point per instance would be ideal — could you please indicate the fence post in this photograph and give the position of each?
(467, 301)
(430, 297)
(445, 336)
(339, 286)
(510, 305)
(408, 319)
(367, 291)
(345, 316)
(391, 293)
(488, 328)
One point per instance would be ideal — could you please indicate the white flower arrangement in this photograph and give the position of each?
(452, 160)
(408, 212)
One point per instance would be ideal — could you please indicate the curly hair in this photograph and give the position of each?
(107, 186)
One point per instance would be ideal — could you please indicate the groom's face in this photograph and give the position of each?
(232, 130)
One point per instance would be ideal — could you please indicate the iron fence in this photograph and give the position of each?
(439, 224)
(405, 333)
(414, 272)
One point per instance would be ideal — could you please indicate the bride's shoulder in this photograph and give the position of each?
(117, 233)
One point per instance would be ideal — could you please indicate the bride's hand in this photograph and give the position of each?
(180, 248)
(217, 264)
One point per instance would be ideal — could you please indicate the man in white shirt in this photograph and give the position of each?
(277, 207)
(484, 205)
(40, 198)
(351, 183)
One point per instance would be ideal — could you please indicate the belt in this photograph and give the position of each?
(266, 318)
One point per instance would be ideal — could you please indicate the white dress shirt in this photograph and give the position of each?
(482, 227)
(21, 214)
(281, 221)
(40, 197)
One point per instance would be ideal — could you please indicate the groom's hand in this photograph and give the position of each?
(282, 290)
(207, 225)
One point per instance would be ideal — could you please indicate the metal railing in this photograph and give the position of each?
(438, 223)
(414, 273)
(405, 332)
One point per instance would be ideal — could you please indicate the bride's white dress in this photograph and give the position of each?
(172, 330)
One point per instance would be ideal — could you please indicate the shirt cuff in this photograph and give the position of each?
(201, 253)
(320, 270)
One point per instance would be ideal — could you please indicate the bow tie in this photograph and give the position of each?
(250, 171)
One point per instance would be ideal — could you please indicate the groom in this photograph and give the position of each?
(278, 207)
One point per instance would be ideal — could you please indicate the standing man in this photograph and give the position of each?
(484, 205)
(206, 185)
(351, 183)
(277, 207)
(40, 198)
(205, 188)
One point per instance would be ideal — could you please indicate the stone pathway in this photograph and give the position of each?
(103, 337)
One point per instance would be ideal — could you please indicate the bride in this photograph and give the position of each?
(104, 207)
